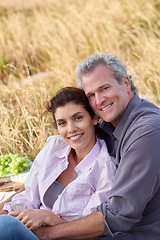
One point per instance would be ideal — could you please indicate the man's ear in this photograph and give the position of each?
(127, 84)
(96, 119)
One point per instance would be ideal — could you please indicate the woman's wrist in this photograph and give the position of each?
(52, 219)
(3, 212)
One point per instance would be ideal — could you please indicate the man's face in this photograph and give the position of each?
(107, 97)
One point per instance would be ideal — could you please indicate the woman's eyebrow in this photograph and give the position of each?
(62, 119)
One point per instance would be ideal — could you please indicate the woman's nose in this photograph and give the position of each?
(71, 127)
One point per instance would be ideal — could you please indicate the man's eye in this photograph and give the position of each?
(91, 96)
(105, 88)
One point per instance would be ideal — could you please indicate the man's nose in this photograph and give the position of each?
(99, 99)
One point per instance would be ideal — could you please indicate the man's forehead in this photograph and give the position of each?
(92, 88)
(94, 81)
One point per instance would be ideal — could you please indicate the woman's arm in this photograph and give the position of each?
(35, 218)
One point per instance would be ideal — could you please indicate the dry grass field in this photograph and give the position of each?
(41, 42)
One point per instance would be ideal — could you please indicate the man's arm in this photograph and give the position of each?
(88, 227)
(136, 182)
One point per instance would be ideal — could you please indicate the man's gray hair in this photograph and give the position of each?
(112, 62)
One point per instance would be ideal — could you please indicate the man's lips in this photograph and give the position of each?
(104, 108)
(75, 137)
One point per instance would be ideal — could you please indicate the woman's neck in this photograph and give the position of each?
(78, 156)
(74, 157)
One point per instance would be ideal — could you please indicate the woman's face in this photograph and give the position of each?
(76, 126)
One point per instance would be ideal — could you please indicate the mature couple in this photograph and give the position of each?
(72, 186)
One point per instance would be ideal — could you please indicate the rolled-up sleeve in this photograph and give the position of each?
(136, 182)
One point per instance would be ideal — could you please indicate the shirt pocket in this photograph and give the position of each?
(73, 200)
(80, 188)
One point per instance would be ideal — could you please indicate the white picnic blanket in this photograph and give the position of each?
(5, 195)
(18, 178)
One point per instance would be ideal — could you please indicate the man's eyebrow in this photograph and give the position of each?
(99, 88)
(103, 86)
(88, 94)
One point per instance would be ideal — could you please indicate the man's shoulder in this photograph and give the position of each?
(139, 113)
(145, 113)
(143, 121)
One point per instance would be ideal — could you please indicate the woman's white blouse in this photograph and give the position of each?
(82, 196)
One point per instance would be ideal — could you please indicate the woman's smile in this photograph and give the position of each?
(76, 126)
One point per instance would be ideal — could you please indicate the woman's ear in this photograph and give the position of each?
(96, 119)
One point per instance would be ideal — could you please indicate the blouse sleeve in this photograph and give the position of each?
(31, 192)
(102, 191)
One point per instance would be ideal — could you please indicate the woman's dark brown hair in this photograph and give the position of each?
(66, 95)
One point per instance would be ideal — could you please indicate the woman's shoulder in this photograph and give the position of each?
(104, 154)
(103, 147)
(55, 142)
(55, 139)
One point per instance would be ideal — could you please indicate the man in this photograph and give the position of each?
(132, 127)
(132, 132)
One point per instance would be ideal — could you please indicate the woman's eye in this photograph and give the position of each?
(61, 123)
(78, 118)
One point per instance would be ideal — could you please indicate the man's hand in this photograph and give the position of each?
(89, 227)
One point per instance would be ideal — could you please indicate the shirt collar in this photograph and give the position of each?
(87, 163)
(61, 153)
(116, 132)
(131, 105)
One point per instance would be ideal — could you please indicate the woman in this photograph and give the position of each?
(73, 173)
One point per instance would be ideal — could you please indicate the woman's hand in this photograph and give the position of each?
(2, 205)
(35, 218)
(3, 212)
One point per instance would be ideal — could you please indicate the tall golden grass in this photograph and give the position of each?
(53, 36)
